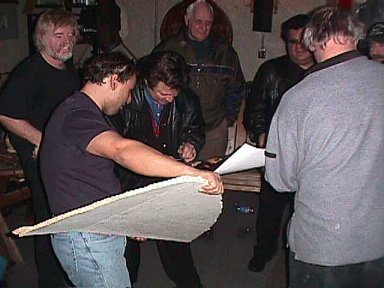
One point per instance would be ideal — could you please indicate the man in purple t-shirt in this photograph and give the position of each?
(77, 159)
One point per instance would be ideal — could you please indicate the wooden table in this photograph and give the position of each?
(10, 171)
(245, 181)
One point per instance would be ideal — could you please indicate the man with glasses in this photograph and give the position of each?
(273, 78)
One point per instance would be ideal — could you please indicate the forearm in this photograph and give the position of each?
(147, 161)
(144, 160)
(22, 128)
(137, 156)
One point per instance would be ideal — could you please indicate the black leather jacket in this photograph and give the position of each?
(185, 123)
(271, 81)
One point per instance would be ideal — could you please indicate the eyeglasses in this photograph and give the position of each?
(378, 58)
(293, 42)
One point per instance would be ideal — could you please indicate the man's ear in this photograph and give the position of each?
(186, 20)
(113, 80)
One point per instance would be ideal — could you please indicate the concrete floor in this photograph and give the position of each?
(221, 261)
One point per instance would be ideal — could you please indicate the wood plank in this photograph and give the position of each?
(246, 181)
(13, 197)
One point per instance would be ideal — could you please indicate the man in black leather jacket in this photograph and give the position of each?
(166, 115)
(271, 81)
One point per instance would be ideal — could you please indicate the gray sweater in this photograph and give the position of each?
(328, 137)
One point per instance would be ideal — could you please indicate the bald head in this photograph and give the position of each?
(199, 19)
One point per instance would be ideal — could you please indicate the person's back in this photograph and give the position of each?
(325, 143)
(344, 163)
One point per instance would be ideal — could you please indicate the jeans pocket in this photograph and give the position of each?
(61, 236)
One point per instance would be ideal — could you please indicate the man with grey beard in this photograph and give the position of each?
(34, 89)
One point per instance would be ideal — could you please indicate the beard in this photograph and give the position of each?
(58, 55)
(63, 57)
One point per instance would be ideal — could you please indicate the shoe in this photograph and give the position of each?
(261, 256)
(256, 264)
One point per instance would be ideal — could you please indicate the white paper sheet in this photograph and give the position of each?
(169, 210)
(244, 158)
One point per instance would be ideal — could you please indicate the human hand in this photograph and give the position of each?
(139, 239)
(215, 185)
(187, 152)
(35, 151)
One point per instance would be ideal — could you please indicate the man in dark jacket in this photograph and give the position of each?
(165, 115)
(272, 80)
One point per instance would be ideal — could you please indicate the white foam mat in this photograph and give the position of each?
(169, 210)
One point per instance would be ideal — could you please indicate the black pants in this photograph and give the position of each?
(268, 223)
(49, 271)
(363, 275)
(176, 258)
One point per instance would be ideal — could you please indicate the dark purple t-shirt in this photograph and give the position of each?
(72, 176)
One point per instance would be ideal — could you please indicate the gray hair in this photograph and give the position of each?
(191, 8)
(332, 22)
(56, 18)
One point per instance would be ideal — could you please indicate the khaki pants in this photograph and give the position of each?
(216, 141)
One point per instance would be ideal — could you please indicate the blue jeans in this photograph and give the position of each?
(92, 260)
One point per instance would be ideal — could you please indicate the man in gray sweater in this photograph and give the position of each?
(326, 142)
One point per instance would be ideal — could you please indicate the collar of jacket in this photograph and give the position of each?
(138, 97)
(215, 39)
(334, 60)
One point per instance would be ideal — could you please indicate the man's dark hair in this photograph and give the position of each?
(104, 65)
(295, 22)
(164, 66)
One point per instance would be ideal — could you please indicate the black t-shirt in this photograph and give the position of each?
(32, 92)
(35, 88)
(72, 176)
